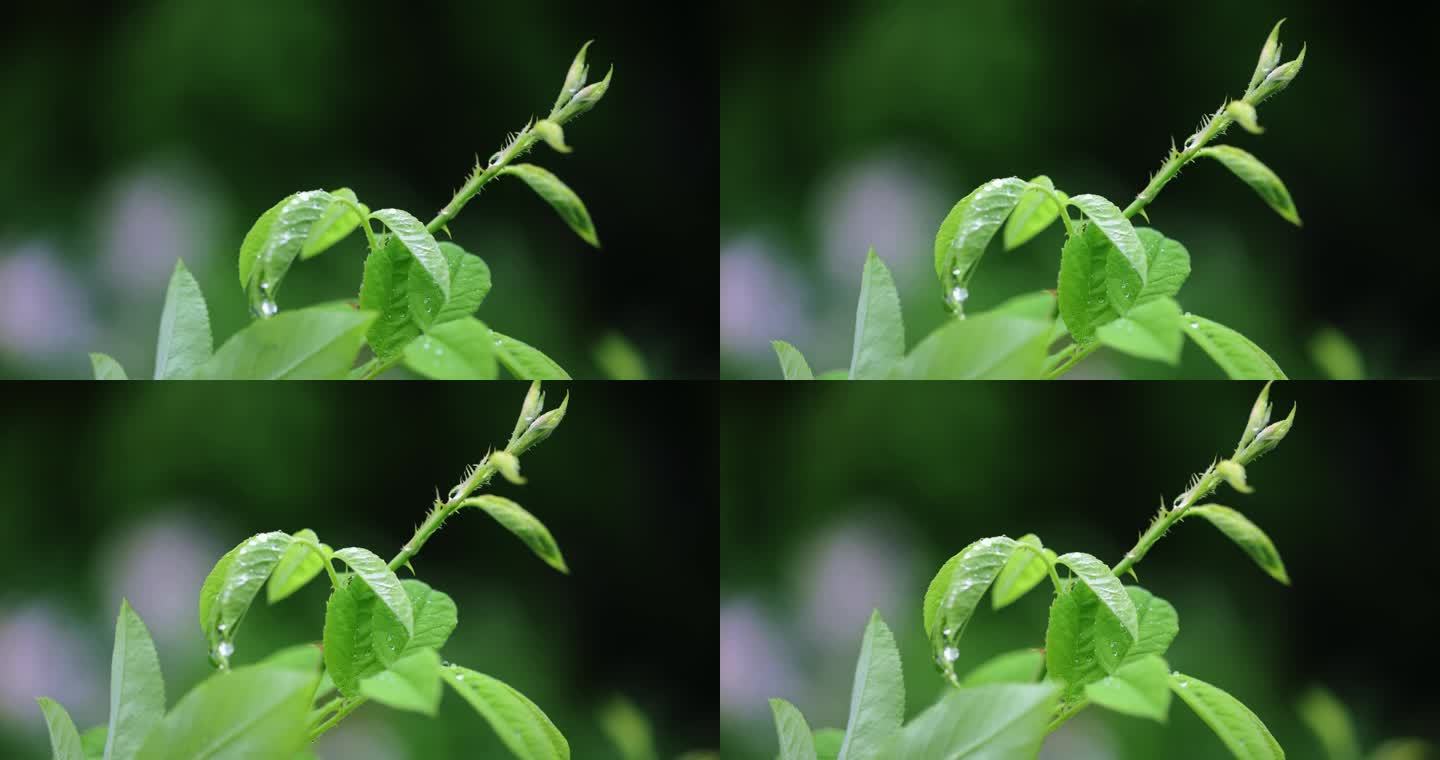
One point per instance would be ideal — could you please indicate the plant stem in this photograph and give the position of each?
(346, 707)
(1067, 713)
(1054, 577)
(1204, 486)
(1177, 160)
(472, 186)
(1075, 358)
(477, 480)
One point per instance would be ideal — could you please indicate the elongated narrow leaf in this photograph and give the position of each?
(1149, 331)
(232, 585)
(420, 243)
(349, 647)
(300, 563)
(1241, 730)
(1159, 625)
(992, 346)
(64, 737)
(1084, 304)
(411, 683)
(969, 227)
(373, 572)
(1020, 666)
(524, 525)
(1331, 723)
(996, 722)
(879, 328)
(1247, 535)
(523, 727)
(1236, 354)
(252, 712)
(796, 741)
(560, 197)
(184, 342)
(318, 343)
(256, 239)
(1021, 573)
(435, 619)
(469, 284)
(1108, 589)
(956, 591)
(1111, 223)
(877, 697)
(1070, 639)
(792, 363)
(1140, 688)
(526, 362)
(1035, 211)
(137, 690)
(1336, 355)
(458, 350)
(1258, 176)
(1169, 267)
(106, 368)
(385, 291)
(278, 237)
(339, 220)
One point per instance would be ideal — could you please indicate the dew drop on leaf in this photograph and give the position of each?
(950, 654)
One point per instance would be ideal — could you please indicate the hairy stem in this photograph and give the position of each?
(1205, 485)
(479, 179)
(1177, 160)
(477, 480)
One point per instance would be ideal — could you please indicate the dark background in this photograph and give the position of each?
(864, 124)
(139, 132)
(836, 500)
(137, 492)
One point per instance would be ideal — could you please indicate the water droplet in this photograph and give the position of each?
(955, 301)
(495, 159)
(225, 649)
(223, 626)
(950, 654)
(1184, 684)
(1194, 325)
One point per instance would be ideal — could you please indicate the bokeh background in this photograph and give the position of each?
(839, 500)
(864, 124)
(125, 491)
(139, 132)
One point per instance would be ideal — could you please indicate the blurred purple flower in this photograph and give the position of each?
(43, 310)
(159, 566)
(759, 300)
(151, 217)
(753, 664)
(44, 655)
(888, 201)
(851, 570)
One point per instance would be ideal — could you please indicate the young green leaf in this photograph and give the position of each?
(1111, 223)
(523, 727)
(232, 585)
(1258, 176)
(385, 291)
(792, 363)
(989, 346)
(1150, 331)
(106, 368)
(1071, 639)
(553, 134)
(524, 361)
(1020, 666)
(374, 573)
(877, 697)
(458, 350)
(318, 343)
(469, 284)
(796, 741)
(1035, 211)
(1336, 355)
(1159, 624)
(968, 228)
(1247, 535)
(1108, 589)
(1022, 572)
(619, 359)
(994, 722)
(1240, 729)
(1269, 57)
(523, 524)
(559, 196)
(1140, 688)
(252, 712)
(348, 639)
(301, 562)
(420, 243)
(137, 690)
(1236, 354)
(1084, 303)
(1244, 114)
(411, 683)
(435, 620)
(956, 589)
(1037, 305)
(1331, 723)
(1169, 266)
(277, 238)
(879, 328)
(64, 737)
(184, 342)
(339, 220)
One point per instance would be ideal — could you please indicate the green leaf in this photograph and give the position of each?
(1108, 589)
(1020, 666)
(64, 737)
(792, 363)
(318, 343)
(834, 374)
(1258, 176)
(1037, 305)
(1149, 331)
(1247, 535)
(336, 224)
(1140, 688)
(252, 712)
(385, 291)
(1330, 722)
(1244, 114)
(1236, 354)
(1337, 357)
(1404, 749)
(1169, 266)
(411, 683)
(1035, 211)
(350, 652)
(1084, 303)
(106, 368)
(1070, 639)
(1111, 223)
(297, 566)
(469, 284)
(373, 572)
(796, 742)
(420, 243)
(619, 359)
(879, 328)
(93, 742)
(985, 347)
(184, 342)
(968, 228)
(827, 744)
(1240, 729)
(522, 726)
(877, 697)
(137, 690)
(1021, 573)
(277, 238)
(1159, 624)
(961, 582)
(232, 585)
(523, 524)
(458, 350)
(524, 361)
(628, 729)
(435, 620)
(997, 722)
(559, 196)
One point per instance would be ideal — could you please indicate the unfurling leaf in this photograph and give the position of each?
(955, 592)
(373, 572)
(1258, 176)
(1247, 535)
(559, 196)
(420, 243)
(1107, 588)
(1035, 211)
(1111, 223)
(1022, 572)
(968, 228)
(524, 525)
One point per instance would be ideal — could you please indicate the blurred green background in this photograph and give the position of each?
(864, 124)
(842, 498)
(123, 491)
(136, 133)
